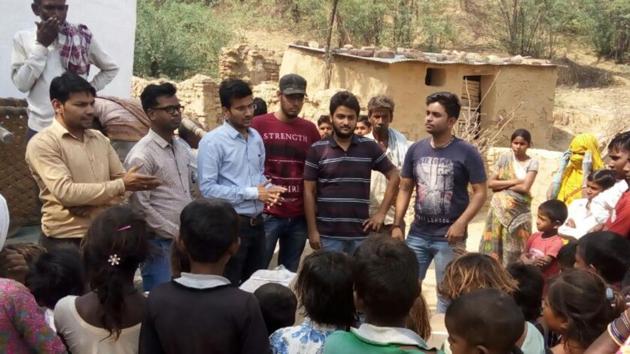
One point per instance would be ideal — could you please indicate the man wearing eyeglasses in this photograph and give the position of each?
(231, 164)
(168, 158)
(48, 51)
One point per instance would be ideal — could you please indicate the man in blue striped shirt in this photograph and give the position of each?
(337, 182)
(231, 164)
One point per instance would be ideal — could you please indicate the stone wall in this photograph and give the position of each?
(251, 64)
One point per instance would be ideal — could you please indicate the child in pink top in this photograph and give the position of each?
(23, 328)
(543, 246)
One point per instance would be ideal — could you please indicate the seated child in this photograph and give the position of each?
(386, 287)
(277, 304)
(201, 312)
(484, 321)
(543, 246)
(418, 319)
(324, 125)
(324, 290)
(579, 212)
(364, 127)
(474, 271)
(56, 274)
(107, 319)
(23, 328)
(566, 256)
(604, 253)
(528, 297)
(576, 307)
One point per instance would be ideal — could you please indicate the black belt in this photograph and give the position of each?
(251, 221)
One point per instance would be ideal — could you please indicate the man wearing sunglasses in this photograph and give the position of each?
(52, 48)
(168, 158)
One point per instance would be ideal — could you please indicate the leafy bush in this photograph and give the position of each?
(608, 26)
(178, 39)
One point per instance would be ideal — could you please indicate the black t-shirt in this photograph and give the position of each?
(217, 320)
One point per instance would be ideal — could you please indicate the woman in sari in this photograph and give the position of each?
(582, 158)
(509, 220)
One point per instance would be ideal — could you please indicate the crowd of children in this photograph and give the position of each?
(565, 294)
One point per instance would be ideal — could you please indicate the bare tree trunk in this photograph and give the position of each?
(328, 51)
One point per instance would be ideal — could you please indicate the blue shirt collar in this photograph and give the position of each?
(232, 132)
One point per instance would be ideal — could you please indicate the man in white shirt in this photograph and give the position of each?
(395, 145)
(53, 48)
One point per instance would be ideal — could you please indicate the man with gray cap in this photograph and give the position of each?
(287, 138)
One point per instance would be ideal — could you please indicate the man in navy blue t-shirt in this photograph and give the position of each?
(440, 168)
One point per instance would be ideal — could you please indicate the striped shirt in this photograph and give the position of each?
(343, 184)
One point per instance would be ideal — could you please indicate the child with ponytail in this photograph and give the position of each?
(107, 319)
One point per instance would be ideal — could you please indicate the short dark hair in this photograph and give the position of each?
(150, 94)
(621, 141)
(386, 278)
(56, 274)
(522, 133)
(68, 83)
(208, 228)
(473, 317)
(603, 178)
(346, 99)
(365, 120)
(230, 89)
(324, 288)
(323, 119)
(260, 109)
(608, 252)
(555, 209)
(528, 295)
(566, 255)
(277, 304)
(448, 100)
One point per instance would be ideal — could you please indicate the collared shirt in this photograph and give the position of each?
(231, 167)
(343, 184)
(374, 339)
(201, 281)
(172, 164)
(33, 67)
(396, 150)
(73, 173)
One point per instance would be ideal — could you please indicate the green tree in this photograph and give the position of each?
(178, 39)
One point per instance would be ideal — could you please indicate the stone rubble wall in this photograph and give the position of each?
(250, 64)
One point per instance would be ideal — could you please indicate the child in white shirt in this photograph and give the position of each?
(581, 218)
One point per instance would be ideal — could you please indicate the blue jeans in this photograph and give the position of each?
(157, 268)
(291, 232)
(342, 246)
(251, 252)
(427, 250)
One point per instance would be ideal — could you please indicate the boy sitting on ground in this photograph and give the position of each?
(201, 312)
(386, 287)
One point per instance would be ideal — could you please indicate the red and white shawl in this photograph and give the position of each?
(75, 47)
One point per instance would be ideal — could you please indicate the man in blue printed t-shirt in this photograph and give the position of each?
(440, 168)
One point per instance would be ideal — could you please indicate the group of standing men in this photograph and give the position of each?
(287, 184)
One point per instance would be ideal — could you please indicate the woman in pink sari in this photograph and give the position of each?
(509, 220)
